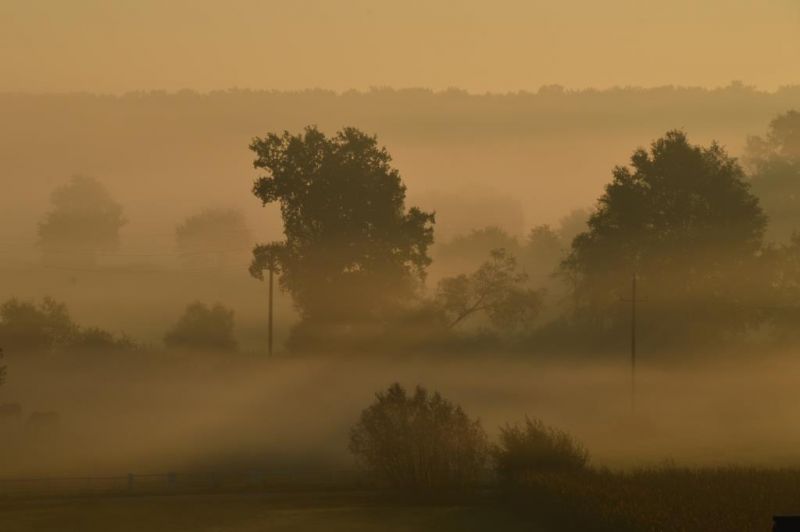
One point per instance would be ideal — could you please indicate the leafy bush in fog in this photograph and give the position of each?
(48, 326)
(30, 327)
(418, 441)
(204, 328)
(96, 339)
(536, 448)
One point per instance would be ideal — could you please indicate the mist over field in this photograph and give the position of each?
(399, 266)
(151, 415)
(165, 157)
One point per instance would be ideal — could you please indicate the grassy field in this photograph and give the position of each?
(665, 499)
(250, 512)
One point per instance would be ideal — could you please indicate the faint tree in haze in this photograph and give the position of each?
(212, 236)
(497, 289)
(474, 246)
(541, 254)
(682, 219)
(203, 328)
(419, 441)
(572, 225)
(774, 163)
(84, 220)
(352, 251)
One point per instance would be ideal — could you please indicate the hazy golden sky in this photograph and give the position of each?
(498, 45)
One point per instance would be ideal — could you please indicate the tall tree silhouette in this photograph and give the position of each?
(352, 251)
(683, 219)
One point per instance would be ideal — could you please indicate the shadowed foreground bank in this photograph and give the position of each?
(306, 511)
(691, 500)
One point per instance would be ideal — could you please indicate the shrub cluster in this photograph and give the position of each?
(48, 327)
(533, 448)
(419, 441)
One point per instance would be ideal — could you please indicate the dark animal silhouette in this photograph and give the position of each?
(786, 523)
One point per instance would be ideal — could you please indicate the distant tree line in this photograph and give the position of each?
(46, 327)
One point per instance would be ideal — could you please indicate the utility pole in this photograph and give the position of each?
(633, 343)
(633, 300)
(269, 327)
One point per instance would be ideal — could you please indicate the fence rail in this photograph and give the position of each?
(180, 482)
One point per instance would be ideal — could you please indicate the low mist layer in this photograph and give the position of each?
(199, 413)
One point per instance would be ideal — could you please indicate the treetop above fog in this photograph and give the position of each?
(349, 238)
(675, 199)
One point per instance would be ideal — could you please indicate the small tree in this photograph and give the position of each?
(84, 220)
(497, 289)
(203, 328)
(536, 448)
(418, 441)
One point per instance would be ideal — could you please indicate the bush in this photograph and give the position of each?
(203, 328)
(419, 441)
(48, 327)
(536, 448)
(93, 339)
(26, 326)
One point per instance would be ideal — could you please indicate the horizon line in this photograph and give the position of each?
(545, 89)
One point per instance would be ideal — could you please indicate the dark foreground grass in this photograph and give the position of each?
(664, 499)
(255, 512)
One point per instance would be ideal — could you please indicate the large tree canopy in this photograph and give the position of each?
(352, 250)
(682, 218)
